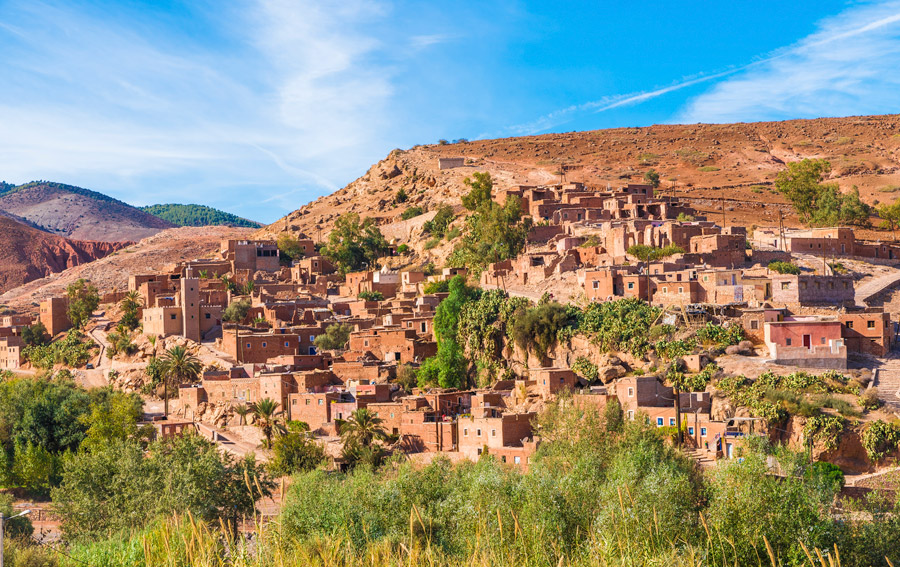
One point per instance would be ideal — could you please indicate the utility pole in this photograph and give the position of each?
(679, 440)
(3, 520)
(724, 224)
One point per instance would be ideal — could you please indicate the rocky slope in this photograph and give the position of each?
(148, 255)
(79, 213)
(715, 166)
(27, 254)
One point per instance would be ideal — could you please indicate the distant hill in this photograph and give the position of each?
(78, 213)
(198, 215)
(27, 253)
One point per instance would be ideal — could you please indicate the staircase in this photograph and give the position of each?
(703, 457)
(872, 288)
(887, 380)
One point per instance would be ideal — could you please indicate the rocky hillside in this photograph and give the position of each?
(150, 254)
(712, 165)
(73, 212)
(27, 254)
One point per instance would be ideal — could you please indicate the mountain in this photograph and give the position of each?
(73, 212)
(198, 215)
(27, 253)
(703, 164)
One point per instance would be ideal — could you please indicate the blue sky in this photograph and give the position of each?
(260, 106)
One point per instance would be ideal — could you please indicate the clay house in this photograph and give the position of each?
(804, 289)
(411, 282)
(363, 371)
(422, 325)
(422, 429)
(314, 409)
(869, 332)
(386, 283)
(508, 437)
(550, 381)
(722, 250)
(399, 345)
(54, 316)
(753, 321)
(11, 352)
(16, 322)
(258, 347)
(251, 255)
(188, 317)
(811, 342)
(670, 292)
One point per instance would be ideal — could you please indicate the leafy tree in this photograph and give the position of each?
(438, 225)
(130, 305)
(179, 366)
(371, 296)
(83, 301)
(35, 335)
(494, 232)
(651, 176)
(784, 267)
(236, 311)
(16, 528)
(112, 418)
(335, 337)
(538, 327)
(289, 249)
(448, 367)
(295, 452)
(353, 244)
(406, 377)
(440, 286)
(117, 486)
(268, 418)
(890, 216)
(401, 196)
(818, 203)
(614, 416)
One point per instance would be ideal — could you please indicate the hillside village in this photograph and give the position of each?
(718, 318)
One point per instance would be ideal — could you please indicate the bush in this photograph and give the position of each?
(411, 213)
(295, 452)
(403, 249)
(335, 337)
(437, 226)
(236, 311)
(784, 267)
(72, 350)
(719, 335)
(371, 296)
(401, 196)
(585, 368)
(538, 327)
(880, 439)
(869, 400)
(441, 286)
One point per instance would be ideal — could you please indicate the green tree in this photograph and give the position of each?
(784, 267)
(130, 305)
(242, 411)
(36, 335)
(651, 176)
(83, 301)
(179, 366)
(493, 232)
(113, 418)
(268, 418)
(448, 367)
(363, 426)
(438, 225)
(335, 337)
(890, 216)
(295, 452)
(406, 377)
(354, 244)
(289, 249)
(237, 311)
(818, 203)
(371, 296)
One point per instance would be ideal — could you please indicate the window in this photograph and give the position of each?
(517, 460)
(870, 324)
(702, 432)
(264, 344)
(312, 338)
(248, 345)
(849, 324)
(671, 421)
(690, 430)
(787, 341)
(465, 432)
(631, 414)
(307, 402)
(287, 344)
(424, 326)
(785, 285)
(596, 284)
(680, 290)
(630, 285)
(666, 290)
(659, 422)
(503, 459)
(320, 402)
(823, 340)
(493, 432)
(207, 316)
(754, 324)
(172, 316)
(477, 433)
(630, 392)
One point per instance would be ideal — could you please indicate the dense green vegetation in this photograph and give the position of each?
(83, 301)
(73, 350)
(784, 267)
(818, 203)
(493, 232)
(197, 215)
(600, 491)
(335, 337)
(289, 249)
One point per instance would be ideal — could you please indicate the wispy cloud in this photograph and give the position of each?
(848, 66)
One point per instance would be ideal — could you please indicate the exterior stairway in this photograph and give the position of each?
(703, 457)
(887, 380)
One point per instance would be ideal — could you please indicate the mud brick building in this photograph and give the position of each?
(54, 316)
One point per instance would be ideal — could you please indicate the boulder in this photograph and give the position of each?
(610, 373)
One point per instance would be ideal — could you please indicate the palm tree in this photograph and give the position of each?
(178, 364)
(242, 411)
(268, 418)
(363, 427)
(131, 301)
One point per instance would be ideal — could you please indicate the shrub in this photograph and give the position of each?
(236, 311)
(437, 226)
(411, 213)
(403, 249)
(585, 368)
(719, 335)
(371, 295)
(334, 338)
(441, 286)
(869, 400)
(784, 267)
(880, 439)
(401, 196)
(538, 327)
(432, 243)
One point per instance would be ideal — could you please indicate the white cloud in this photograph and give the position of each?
(848, 66)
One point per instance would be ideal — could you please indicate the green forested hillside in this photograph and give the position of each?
(197, 215)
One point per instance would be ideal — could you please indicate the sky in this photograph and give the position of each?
(257, 107)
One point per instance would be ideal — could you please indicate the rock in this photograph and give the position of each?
(610, 373)
(733, 349)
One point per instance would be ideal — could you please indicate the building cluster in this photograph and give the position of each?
(808, 319)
